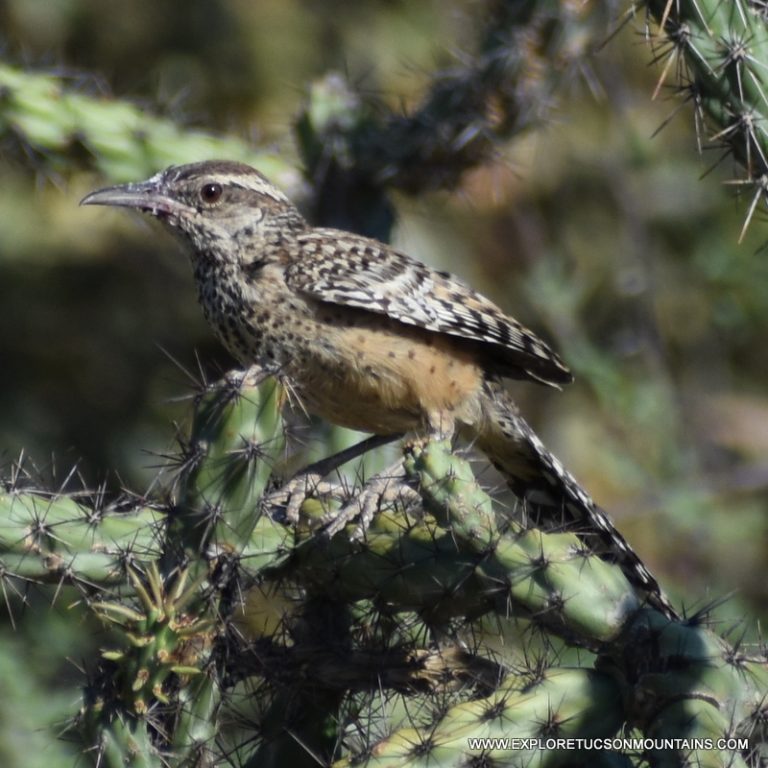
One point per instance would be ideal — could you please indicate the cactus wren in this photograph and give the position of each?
(369, 338)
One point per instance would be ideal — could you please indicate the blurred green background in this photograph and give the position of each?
(588, 228)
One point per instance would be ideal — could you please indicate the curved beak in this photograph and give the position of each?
(144, 196)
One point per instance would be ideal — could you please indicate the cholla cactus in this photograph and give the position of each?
(61, 125)
(714, 54)
(239, 634)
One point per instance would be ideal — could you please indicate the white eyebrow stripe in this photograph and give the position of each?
(252, 183)
(248, 181)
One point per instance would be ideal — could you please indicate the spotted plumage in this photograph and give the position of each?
(368, 337)
(353, 271)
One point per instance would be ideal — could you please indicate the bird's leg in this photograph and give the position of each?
(388, 486)
(383, 488)
(236, 379)
(309, 482)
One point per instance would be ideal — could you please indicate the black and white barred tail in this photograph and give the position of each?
(552, 498)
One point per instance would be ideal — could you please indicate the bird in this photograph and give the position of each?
(370, 338)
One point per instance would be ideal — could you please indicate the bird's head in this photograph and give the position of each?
(211, 204)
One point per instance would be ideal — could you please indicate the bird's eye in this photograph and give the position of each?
(210, 193)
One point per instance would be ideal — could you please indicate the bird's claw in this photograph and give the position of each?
(296, 491)
(384, 488)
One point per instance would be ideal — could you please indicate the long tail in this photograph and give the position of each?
(552, 498)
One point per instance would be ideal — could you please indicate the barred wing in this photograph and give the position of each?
(349, 270)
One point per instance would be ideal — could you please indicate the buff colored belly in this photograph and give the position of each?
(367, 377)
